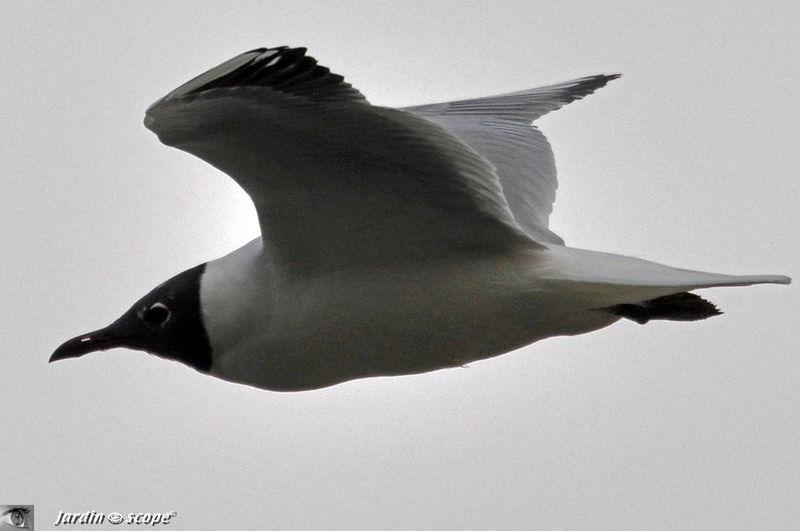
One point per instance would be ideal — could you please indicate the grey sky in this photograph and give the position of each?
(690, 159)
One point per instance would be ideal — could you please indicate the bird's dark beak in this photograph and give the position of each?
(112, 336)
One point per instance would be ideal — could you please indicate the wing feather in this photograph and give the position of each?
(500, 129)
(337, 183)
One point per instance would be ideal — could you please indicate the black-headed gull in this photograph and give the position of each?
(394, 241)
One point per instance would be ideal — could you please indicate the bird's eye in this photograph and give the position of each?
(157, 314)
(16, 517)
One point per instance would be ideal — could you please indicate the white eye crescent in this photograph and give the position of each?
(157, 314)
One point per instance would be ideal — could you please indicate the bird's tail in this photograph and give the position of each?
(637, 289)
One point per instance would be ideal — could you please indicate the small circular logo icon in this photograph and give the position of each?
(114, 518)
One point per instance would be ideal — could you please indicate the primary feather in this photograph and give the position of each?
(500, 129)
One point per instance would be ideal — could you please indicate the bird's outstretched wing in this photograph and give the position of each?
(499, 128)
(337, 182)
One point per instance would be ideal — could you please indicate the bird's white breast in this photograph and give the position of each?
(289, 334)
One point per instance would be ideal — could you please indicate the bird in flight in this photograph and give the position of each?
(393, 241)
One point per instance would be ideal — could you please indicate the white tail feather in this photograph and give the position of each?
(631, 279)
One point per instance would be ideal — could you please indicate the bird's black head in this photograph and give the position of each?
(166, 322)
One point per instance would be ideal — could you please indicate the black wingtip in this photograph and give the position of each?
(281, 68)
(607, 78)
(587, 85)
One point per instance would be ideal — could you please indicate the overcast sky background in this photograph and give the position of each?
(690, 159)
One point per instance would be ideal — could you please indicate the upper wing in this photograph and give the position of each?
(337, 183)
(499, 128)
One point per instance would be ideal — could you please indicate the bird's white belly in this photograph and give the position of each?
(319, 332)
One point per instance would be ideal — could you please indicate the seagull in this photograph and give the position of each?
(394, 241)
